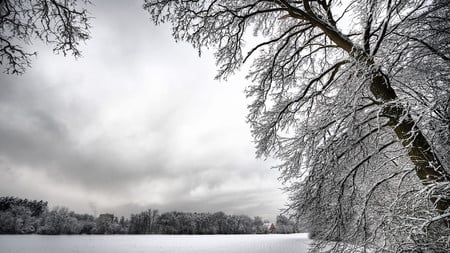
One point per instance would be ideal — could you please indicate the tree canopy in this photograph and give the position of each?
(353, 98)
(62, 23)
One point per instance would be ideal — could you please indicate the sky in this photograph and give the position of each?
(137, 122)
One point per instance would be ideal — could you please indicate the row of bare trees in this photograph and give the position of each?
(23, 216)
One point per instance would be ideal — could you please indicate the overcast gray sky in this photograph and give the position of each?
(137, 122)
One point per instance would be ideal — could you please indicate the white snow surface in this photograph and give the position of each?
(272, 243)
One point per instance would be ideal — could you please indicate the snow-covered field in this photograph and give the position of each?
(297, 243)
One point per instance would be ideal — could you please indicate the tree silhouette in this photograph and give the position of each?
(62, 23)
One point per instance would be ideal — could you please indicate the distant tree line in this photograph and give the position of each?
(22, 216)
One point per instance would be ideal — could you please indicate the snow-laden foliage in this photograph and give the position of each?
(62, 23)
(353, 98)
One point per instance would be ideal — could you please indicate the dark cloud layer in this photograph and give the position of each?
(138, 122)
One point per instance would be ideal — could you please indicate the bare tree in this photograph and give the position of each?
(353, 97)
(59, 22)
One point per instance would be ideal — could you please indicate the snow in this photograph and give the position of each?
(155, 243)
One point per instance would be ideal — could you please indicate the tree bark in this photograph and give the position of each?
(427, 165)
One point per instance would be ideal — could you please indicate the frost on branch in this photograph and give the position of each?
(61, 23)
(353, 98)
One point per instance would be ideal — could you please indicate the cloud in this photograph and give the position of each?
(137, 122)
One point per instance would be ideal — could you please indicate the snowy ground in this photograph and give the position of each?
(297, 243)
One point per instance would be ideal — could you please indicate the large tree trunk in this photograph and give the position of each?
(427, 165)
